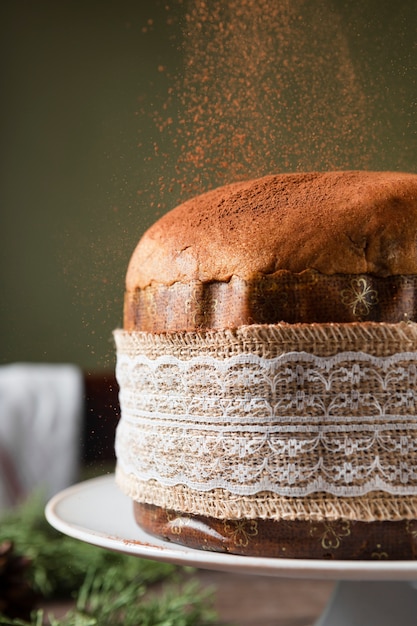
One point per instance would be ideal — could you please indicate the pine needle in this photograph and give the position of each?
(109, 589)
(60, 563)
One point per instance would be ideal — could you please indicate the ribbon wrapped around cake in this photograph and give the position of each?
(271, 421)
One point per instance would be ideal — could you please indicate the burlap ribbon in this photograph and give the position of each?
(311, 421)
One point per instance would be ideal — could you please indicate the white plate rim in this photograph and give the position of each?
(103, 489)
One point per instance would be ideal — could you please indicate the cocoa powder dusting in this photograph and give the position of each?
(266, 87)
(351, 222)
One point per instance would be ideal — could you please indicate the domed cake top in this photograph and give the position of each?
(350, 222)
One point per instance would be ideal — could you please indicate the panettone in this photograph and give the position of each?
(268, 369)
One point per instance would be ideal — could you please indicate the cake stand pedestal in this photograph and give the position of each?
(368, 593)
(371, 603)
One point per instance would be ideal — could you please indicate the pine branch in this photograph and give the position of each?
(109, 589)
(59, 563)
(175, 606)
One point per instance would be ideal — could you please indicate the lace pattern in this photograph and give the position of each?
(221, 504)
(292, 425)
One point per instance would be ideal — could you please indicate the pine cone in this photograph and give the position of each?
(17, 598)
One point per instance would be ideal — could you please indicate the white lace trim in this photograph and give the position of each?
(221, 504)
(293, 425)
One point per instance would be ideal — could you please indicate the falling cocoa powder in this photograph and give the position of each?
(266, 87)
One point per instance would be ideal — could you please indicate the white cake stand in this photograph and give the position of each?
(368, 593)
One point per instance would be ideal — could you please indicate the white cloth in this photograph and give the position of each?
(40, 427)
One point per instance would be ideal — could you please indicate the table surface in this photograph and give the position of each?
(246, 600)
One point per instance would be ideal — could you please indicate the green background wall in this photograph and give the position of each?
(76, 77)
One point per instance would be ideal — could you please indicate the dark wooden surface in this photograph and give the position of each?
(247, 600)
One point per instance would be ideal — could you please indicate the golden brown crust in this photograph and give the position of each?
(334, 222)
